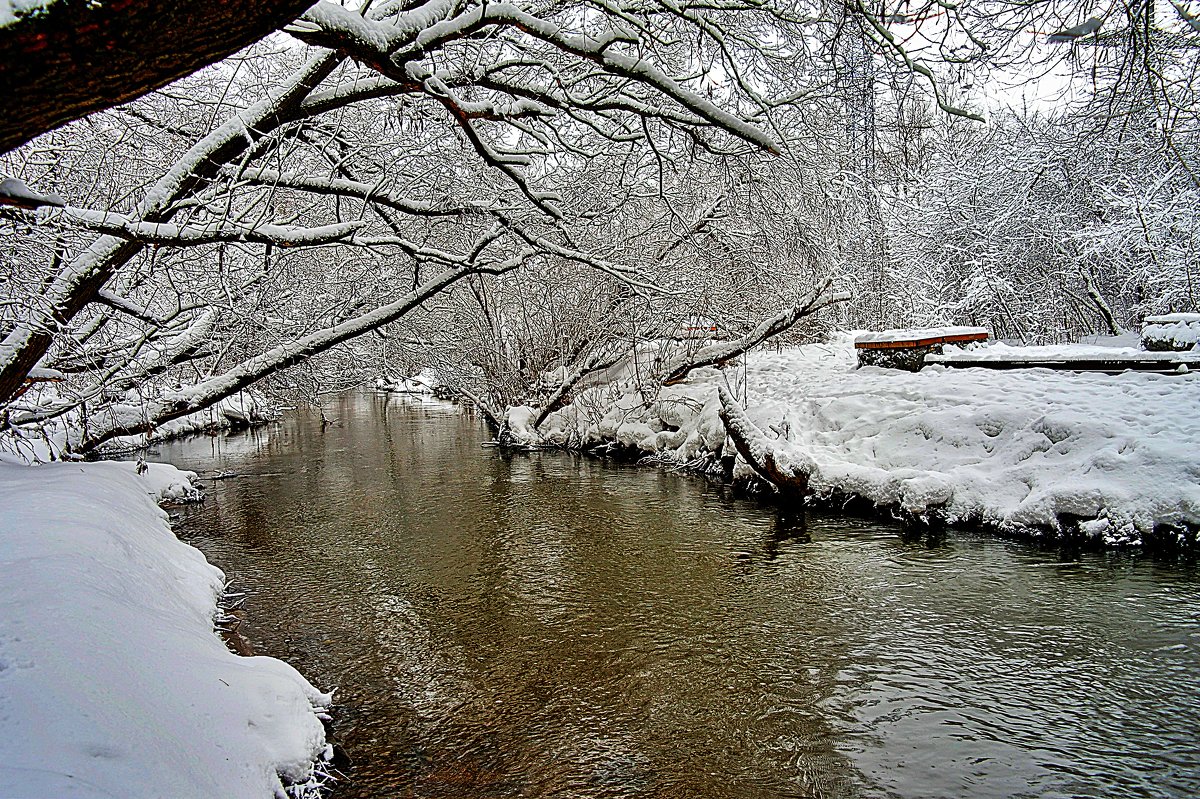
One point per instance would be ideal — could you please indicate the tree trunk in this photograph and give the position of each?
(1102, 306)
(71, 59)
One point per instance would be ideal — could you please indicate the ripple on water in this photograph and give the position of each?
(547, 625)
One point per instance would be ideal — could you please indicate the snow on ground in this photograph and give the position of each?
(1022, 451)
(1013, 449)
(113, 682)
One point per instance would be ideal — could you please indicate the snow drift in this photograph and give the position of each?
(113, 682)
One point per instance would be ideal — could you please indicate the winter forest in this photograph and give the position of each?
(505, 193)
(662, 231)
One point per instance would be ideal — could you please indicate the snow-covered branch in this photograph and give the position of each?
(349, 188)
(175, 404)
(164, 233)
(75, 286)
(789, 474)
(723, 351)
(597, 361)
(384, 48)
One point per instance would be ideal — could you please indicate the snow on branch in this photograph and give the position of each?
(597, 361)
(490, 414)
(385, 49)
(602, 53)
(349, 188)
(788, 474)
(127, 306)
(723, 351)
(76, 284)
(331, 25)
(164, 233)
(201, 395)
(321, 102)
(342, 24)
(625, 274)
(463, 112)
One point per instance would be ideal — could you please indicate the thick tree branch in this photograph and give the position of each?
(725, 350)
(73, 58)
(216, 232)
(790, 475)
(596, 362)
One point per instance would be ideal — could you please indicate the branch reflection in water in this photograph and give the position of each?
(546, 624)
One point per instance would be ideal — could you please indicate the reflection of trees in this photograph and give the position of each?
(544, 623)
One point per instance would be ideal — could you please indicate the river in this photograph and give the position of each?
(549, 625)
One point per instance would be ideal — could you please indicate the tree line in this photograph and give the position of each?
(522, 195)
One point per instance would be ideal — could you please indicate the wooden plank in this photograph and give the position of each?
(927, 341)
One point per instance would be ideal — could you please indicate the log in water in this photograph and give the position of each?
(546, 625)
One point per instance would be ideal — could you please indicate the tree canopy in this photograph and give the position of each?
(523, 194)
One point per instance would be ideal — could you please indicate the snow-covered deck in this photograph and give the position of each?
(906, 349)
(919, 337)
(1072, 357)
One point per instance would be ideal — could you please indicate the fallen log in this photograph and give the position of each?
(788, 472)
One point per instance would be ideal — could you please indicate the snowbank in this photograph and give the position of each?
(1032, 450)
(113, 681)
(1020, 450)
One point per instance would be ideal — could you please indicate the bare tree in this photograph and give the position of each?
(307, 165)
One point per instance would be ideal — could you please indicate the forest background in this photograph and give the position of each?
(520, 195)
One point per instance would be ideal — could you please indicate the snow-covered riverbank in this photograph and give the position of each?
(113, 681)
(1115, 458)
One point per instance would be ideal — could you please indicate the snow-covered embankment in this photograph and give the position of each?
(113, 681)
(1113, 458)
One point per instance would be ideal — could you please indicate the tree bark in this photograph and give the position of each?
(74, 57)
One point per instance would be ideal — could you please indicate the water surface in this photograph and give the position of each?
(548, 625)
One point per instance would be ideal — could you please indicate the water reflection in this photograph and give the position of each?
(546, 625)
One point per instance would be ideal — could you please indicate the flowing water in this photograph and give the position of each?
(548, 625)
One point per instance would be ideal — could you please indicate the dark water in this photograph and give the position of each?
(547, 625)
